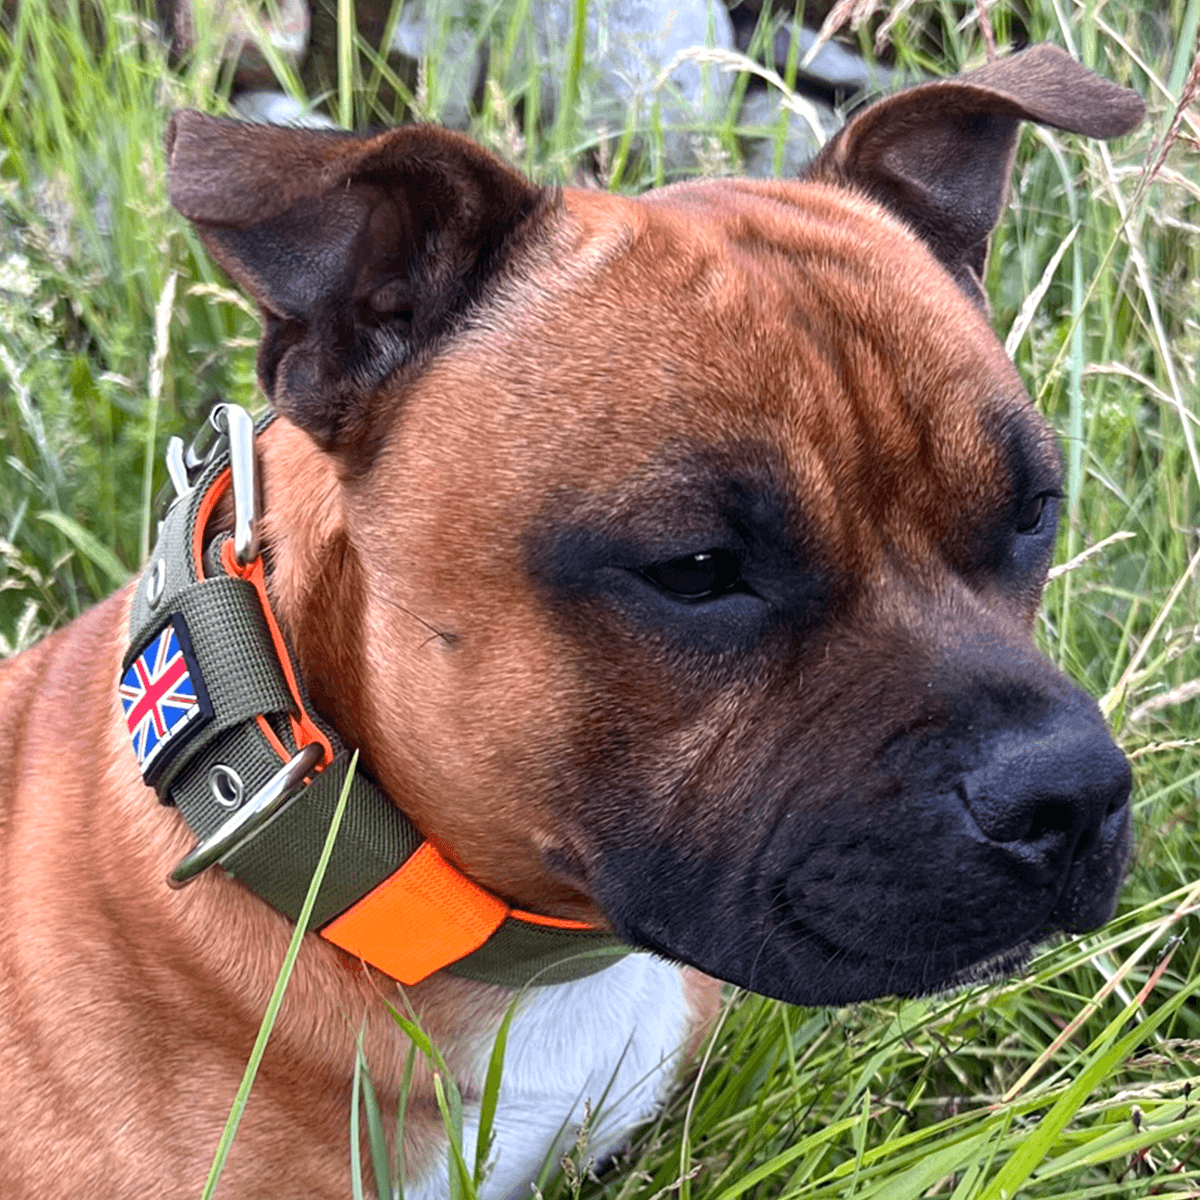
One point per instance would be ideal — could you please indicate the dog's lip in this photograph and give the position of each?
(1000, 965)
(989, 966)
(916, 975)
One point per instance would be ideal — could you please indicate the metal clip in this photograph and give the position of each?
(184, 463)
(238, 425)
(177, 467)
(250, 818)
(207, 442)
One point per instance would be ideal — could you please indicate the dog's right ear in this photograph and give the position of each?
(362, 252)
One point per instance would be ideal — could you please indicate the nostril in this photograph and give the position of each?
(1055, 789)
(1050, 818)
(1010, 816)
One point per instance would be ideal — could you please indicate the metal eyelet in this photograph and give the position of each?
(248, 820)
(156, 582)
(226, 787)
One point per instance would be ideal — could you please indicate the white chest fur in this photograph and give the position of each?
(612, 1040)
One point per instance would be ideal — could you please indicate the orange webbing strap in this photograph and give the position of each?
(304, 730)
(424, 917)
(552, 922)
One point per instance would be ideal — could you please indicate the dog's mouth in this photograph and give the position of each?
(848, 916)
(795, 963)
(866, 961)
(984, 934)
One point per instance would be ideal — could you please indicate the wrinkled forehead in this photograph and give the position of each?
(771, 339)
(796, 314)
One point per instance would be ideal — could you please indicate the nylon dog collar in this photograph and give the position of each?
(222, 728)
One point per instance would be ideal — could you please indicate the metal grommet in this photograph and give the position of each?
(156, 581)
(226, 786)
(242, 825)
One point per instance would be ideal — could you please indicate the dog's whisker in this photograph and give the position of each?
(436, 634)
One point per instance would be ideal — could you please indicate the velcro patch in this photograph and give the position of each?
(162, 695)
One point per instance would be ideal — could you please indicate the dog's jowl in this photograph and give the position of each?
(672, 565)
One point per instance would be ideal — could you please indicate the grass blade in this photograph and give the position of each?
(491, 1092)
(277, 994)
(376, 1138)
(356, 1183)
(88, 545)
(1035, 1146)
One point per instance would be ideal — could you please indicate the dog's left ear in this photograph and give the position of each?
(363, 253)
(939, 155)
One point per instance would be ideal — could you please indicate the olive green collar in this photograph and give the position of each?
(223, 730)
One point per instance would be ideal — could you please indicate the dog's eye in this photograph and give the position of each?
(696, 576)
(1030, 514)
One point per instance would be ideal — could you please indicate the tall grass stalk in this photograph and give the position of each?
(276, 999)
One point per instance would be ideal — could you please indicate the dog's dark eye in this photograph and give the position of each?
(696, 576)
(1030, 514)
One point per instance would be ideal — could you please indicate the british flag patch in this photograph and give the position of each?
(162, 694)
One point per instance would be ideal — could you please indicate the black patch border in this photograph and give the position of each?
(162, 757)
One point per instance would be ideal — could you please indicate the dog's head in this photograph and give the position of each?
(685, 550)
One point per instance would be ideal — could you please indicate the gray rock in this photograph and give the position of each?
(635, 64)
(835, 74)
(636, 61)
(758, 125)
(834, 68)
(274, 108)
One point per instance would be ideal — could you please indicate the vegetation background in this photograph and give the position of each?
(1079, 1079)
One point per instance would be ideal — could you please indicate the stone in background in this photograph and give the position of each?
(630, 45)
(835, 77)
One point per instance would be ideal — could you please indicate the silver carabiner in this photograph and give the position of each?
(236, 422)
(250, 818)
(185, 462)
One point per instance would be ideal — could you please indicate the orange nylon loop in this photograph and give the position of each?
(419, 920)
(303, 728)
(553, 922)
(217, 489)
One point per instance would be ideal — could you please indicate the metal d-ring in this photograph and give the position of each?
(250, 818)
(239, 425)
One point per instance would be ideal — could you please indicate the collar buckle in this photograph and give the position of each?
(186, 461)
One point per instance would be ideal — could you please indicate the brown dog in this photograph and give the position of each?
(672, 562)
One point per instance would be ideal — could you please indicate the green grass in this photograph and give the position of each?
(1078, 1079)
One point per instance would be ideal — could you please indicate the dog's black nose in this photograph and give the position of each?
(1050, 790)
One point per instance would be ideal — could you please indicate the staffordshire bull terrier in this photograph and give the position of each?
(671, 561)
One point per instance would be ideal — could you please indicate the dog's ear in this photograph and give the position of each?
(362, 252)
(939, 155)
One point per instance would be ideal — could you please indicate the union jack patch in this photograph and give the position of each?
(162, 694)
